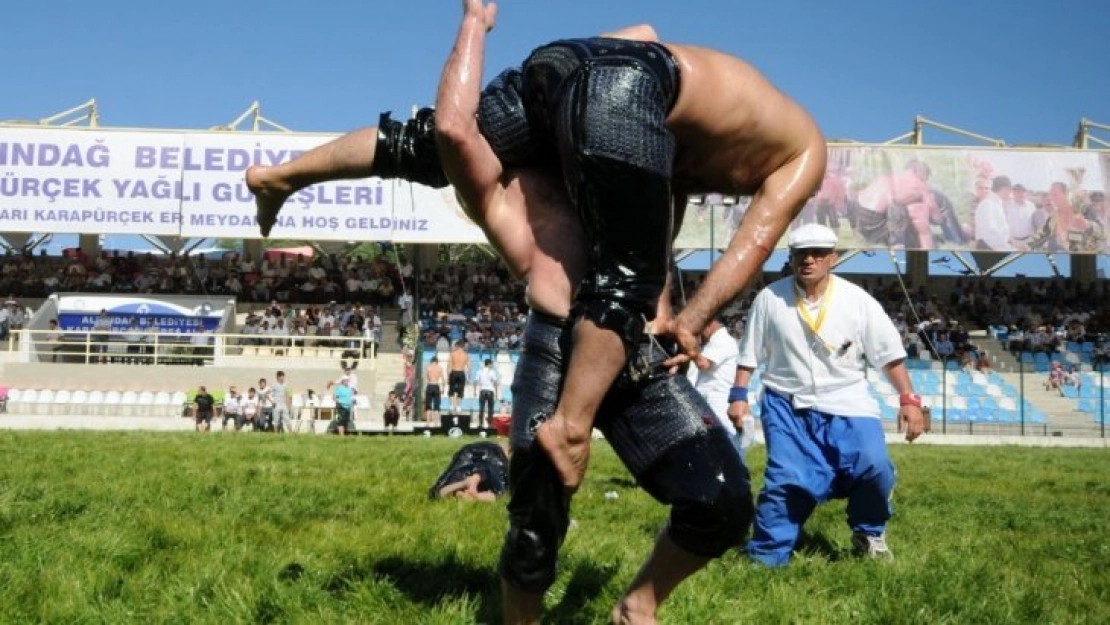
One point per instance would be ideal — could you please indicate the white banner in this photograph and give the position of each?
(190, 184)
(86, 181)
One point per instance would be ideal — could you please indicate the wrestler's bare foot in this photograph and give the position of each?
(270, 193)
(568, 449)
(625, 613)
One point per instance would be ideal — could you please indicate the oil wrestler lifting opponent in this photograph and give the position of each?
(635, 125)
(527, 217)
(735, 133)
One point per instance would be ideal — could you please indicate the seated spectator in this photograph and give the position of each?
(477, 472)
(232, 410)
(944, 347)
(1100, 355)
(1076, 332)
(1015, 341)
(1055, 378)
(984, 363)
(1072, 378)
(502, 419)
(5, 322)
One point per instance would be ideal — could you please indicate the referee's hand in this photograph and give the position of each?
(737, 410)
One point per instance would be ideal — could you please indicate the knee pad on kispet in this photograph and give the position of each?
(709, 490)
(627, 322)
(407, 150)
(539, 514)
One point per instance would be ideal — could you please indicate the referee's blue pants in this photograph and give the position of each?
(813, 457)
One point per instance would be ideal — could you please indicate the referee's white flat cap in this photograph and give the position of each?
(812, 236)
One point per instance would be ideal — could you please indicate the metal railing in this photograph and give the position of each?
(177, 348)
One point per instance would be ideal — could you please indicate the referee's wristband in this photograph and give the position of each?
(909, 399)
(738, 393)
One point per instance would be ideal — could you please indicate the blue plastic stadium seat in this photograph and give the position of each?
(886, 411)
(954, 414)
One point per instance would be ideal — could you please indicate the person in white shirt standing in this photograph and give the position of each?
(487, 390)
(815, 332)
(992, 230)
(1019, 217)
(280, 395)
(714, 380)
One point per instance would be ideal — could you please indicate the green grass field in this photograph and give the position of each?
(219, 528)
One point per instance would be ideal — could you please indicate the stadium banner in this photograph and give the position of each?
(94, 182)
(190, 184)
(219, 204)
(942, 198)
(78, 312)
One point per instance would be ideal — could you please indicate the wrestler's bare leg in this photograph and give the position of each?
(666, 568)
(595, 362)
(519, 607)
(350, 156)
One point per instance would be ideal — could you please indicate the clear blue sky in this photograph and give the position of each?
(1025, 72)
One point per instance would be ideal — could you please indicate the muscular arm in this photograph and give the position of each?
(773, 207)
(468, 160)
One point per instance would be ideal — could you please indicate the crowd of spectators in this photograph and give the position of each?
(354, 327)
(276, 276)
(480, 303)
(484, 305)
